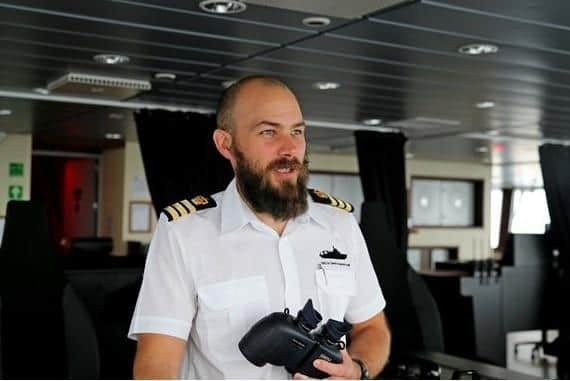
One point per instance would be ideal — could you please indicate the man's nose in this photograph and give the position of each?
(288, 145)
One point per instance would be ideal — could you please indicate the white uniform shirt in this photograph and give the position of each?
(212, 274)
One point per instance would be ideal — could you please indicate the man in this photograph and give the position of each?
(218, 264)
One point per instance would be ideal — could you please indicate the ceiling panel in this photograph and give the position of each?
(399, 64)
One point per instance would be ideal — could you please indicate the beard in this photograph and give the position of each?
(284, 201)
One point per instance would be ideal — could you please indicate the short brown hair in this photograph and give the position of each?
(224, 113)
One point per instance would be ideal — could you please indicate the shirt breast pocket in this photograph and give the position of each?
(334, 290)
(227, 310)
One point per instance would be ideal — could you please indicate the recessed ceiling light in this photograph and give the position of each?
(316, 22)
(112, 136)
(111, 59)
(41, 90)
(116, 116)
(478, 49)
(372, 122)
(166, 76)
(326, 85)
(482, 149)
(5, 112)
(222, 6)
(227, 84)
(485, 104)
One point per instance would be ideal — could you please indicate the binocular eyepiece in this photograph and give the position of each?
(279, 339)
(308, 318)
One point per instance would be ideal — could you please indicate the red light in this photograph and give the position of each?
(499, 147)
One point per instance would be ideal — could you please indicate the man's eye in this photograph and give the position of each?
(267, 132)
(298, 131)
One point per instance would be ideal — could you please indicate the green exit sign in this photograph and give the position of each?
(15, 192)
(16, 169)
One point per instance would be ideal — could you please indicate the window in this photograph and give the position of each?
(446, 202)
(496, 209)
(529, 212)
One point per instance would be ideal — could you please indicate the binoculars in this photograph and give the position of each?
(295, 342)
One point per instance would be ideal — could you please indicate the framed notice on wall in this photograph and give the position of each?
(139, 217)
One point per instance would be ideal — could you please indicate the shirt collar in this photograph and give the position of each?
(236, 213)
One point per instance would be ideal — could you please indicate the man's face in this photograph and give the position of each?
(268, 150)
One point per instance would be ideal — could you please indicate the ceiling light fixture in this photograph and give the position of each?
(111, 59)
(112, 136)
(5, 112)
(326, 85)
(316, 22)
(493, 132)
(227, 84)
(223, 6)
(41, 90)
(478, 49)
(372, 122)
(116, 116)
(485, 104)
(482, 149)
(165, 76)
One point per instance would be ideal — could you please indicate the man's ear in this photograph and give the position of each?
(223, 142)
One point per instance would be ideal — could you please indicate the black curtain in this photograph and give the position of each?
(179, 156)
(384, 226)
(47, 188)
(555, 163)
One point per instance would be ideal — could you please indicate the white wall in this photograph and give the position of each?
(112, 168)
(15, 148)
(135, 190)
(123, 181)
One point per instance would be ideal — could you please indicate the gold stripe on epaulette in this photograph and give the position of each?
(189, 205)
(172, 212)
(180, 209)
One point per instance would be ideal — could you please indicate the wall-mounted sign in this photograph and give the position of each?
(15, 192)
(16, 169)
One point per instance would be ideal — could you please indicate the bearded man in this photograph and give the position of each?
(216, 265)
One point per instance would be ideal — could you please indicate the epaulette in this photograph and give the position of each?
(184, 207)
(324, 198)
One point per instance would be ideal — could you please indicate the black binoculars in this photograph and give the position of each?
(295, 343)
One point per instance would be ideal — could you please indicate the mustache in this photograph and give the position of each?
(285, 163)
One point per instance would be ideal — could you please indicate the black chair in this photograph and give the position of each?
(45, 330)
(91, 246)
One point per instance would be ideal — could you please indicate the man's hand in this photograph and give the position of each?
(346, 370)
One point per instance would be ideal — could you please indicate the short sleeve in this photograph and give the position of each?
(369, 299)
(166, 303)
